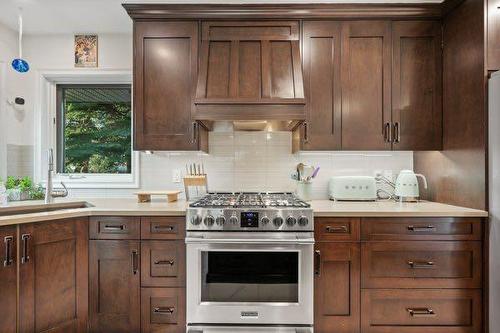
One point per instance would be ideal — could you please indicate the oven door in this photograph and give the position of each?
(246, 279)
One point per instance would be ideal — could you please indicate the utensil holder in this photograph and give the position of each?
(304, 190)
(195, 181)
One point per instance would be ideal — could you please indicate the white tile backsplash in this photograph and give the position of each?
(256, 161)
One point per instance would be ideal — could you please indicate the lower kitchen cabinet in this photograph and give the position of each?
(416, 311)
(114, 286)
(44, 274)
(163, 264)
(337, 287)
(163, 310)
(8, 279)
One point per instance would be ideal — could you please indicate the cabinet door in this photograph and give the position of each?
(493, 35)
(366, 85)
(163, 310)
(165, 70)
(163, 263)
(114, 286)
(53, 273)
(337, 288)
(322, 86)
(8, 279)
(416, 86)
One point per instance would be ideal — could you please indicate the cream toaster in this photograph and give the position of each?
(353, 188)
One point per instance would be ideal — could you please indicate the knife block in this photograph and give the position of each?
(194, 181)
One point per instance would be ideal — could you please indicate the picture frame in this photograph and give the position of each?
(86, 50)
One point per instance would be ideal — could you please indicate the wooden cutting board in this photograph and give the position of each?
(145, 196)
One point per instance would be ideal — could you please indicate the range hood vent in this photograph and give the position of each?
(250, 71)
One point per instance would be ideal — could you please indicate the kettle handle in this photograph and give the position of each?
(423, 178)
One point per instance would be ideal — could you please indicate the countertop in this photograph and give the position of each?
(158, 207)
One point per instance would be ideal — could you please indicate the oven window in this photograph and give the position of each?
(250, 277)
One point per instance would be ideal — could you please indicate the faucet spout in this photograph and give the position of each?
(50, 194)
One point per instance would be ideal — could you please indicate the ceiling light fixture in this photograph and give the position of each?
(19, 64)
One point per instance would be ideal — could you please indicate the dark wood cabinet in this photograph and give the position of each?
(321, 63)
(337, 288)
(165, 71)
(53, 276)
(366, 85)
(163, 263)
(114, 268)
(417, 86)
(8, 279)
(493, 32)
(163, 310)
(114, 227)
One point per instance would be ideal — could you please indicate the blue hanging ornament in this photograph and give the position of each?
(19, 64)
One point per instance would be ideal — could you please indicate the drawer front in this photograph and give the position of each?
(163, 227)
(439, 228)
(417, 311)
(163, 264)
(114, 227)
(336, 229)
(421, 265)
(163, 310)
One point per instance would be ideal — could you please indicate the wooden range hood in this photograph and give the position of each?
(250, 70)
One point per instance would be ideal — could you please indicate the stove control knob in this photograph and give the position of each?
(265, 220)
(303, 221)
(278, 221)
(196, 220)
(209, 220)
(233, 219)
(220, 220)
(291, 221)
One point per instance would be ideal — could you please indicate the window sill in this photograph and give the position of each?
(97, 181)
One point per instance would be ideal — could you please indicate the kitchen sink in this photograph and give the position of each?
(42, 208)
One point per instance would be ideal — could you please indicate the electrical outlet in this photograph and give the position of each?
(176, 176)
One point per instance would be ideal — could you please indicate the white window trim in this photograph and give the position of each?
(46, 131)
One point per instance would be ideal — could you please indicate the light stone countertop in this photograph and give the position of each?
(158, 207)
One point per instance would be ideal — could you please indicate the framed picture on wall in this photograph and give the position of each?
(86, 50)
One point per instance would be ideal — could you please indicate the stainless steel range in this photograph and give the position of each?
(250, 263)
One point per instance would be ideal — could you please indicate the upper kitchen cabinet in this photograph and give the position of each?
(250, 70)
(417, 86)
(321, 61)
(493, 35)
(165, 71)
(366, 85)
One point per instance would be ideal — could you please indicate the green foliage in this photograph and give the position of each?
(25, 185)
(97, 138)
(11, 183)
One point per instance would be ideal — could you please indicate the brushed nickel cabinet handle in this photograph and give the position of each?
(425, 228)
(397, 133)
(195, 128)
(421, 264)
(25, 257)
(9, 259)
(163, 227)
(306, 132)
(120, 227)
(163, 310)
(165, 262)
(421, 312)
(337, 229)
(135, 261)
(387, 132)
(317, 262)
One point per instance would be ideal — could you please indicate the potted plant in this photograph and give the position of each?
(19, 189)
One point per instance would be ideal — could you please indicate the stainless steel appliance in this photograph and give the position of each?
(250, 263)
(353, 188)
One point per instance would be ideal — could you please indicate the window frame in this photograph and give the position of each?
(46, 128)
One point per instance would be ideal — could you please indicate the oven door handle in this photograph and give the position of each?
(193, 240)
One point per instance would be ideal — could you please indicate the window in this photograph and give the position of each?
(94, 129)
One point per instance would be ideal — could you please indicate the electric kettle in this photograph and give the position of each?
(406, 188)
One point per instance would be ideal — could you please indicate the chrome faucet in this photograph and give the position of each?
(50, 193)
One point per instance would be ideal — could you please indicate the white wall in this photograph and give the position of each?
(237, 160)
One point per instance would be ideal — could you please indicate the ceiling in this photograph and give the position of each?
(106, 16)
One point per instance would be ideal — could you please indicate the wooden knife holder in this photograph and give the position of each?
(197, 181)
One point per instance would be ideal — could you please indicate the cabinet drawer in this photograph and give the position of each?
(336, 229)
(421, 265)
(417, 311)
(163, 264)
(163, 310)
(439, 228)
(163, 227)
(114, 227)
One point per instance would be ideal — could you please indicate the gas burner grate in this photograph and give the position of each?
(249, 199)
